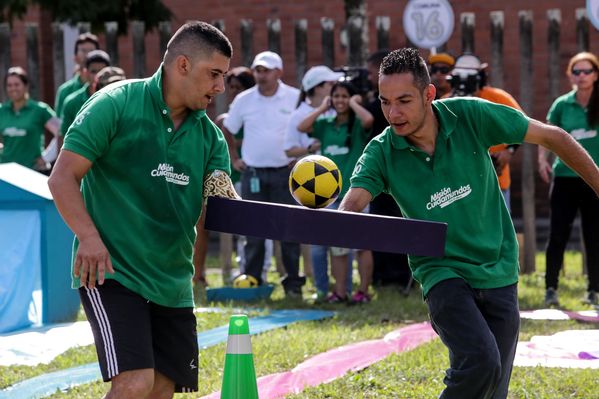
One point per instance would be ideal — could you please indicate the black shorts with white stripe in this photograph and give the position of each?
(132, 333)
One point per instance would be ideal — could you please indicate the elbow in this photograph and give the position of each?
(53, 183)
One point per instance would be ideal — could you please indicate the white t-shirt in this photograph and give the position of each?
(264, 121)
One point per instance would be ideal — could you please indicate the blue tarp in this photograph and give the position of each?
(20, 268)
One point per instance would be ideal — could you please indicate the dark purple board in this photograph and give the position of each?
(326, 227)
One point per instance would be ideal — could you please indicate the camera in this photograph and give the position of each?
(358, 77)
(468, 76)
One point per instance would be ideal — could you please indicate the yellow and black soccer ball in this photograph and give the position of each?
(315, 181)
(245, 281)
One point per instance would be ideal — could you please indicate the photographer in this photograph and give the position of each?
(469, 78)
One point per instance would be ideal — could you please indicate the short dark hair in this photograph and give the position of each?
(97, 56)
(377, 57)
(197, 37)
(19, 72)
(243, 74)
(86, 37)
(407, 60)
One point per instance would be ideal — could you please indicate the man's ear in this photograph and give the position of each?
(429, 93)
(183, 64)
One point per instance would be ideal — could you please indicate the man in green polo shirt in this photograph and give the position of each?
(94, 62)
(433, 160)
(85, 43)
(141, 151)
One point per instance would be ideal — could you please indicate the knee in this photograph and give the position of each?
(132, 384)
(489, 367)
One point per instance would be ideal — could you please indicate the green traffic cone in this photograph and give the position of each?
(239, 378)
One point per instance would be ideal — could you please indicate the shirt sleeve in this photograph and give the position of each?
(368, 172)
(234, 120)
(94, 126)
(47, 113)
(292, 135)
(67, 117)
(500, 124)
(219, 154)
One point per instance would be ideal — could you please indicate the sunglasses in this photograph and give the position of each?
(443, 69)
(577, 72)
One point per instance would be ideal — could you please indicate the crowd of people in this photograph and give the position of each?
(135, 161)
(328, 115)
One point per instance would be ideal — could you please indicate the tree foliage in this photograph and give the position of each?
(96, 12)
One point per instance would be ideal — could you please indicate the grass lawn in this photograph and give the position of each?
(415, 374)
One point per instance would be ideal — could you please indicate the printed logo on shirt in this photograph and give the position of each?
(336, 150)
(581, 134)
(447, 196)
(168, 172)
(80, 118)
(14, 132)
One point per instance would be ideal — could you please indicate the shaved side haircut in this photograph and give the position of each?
(197, 40)
(407, 60)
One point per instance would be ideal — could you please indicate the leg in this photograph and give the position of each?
(589, 214)
(132, 384)
(365, 269)
(306, 252)
(293, 282)
(563, 211)
(164, 387)
(279, 193)
(500, 309)
(254, 247)
(475, 363)
(226, 253)
(320, 265)
(121, 323)
(339, 270)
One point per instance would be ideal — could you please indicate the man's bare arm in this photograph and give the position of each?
(355, 200)
(92, 256)
(567, 148)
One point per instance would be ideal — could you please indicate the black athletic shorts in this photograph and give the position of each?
(132, 333)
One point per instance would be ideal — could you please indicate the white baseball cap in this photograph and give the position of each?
(318, 74)
(268, 59)
(468, 64)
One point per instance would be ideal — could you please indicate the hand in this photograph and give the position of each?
(314, 147)
(92, 259)
(325, 104)
(545, 170)
(501, 159)
(355, 99)
(41, 165)
(239, 165)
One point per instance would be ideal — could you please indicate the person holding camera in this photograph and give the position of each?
(469, 78)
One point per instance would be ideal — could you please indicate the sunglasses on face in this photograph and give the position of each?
(577, 72)
(443, 69)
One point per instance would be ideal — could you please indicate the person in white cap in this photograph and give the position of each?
(316, 85)
(263, 112)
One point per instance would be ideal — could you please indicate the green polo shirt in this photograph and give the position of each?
(68, 87)
(72, 105)
(457, 185)
(144, 189)
(334, 145)
(23, 131)
(568, 114)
